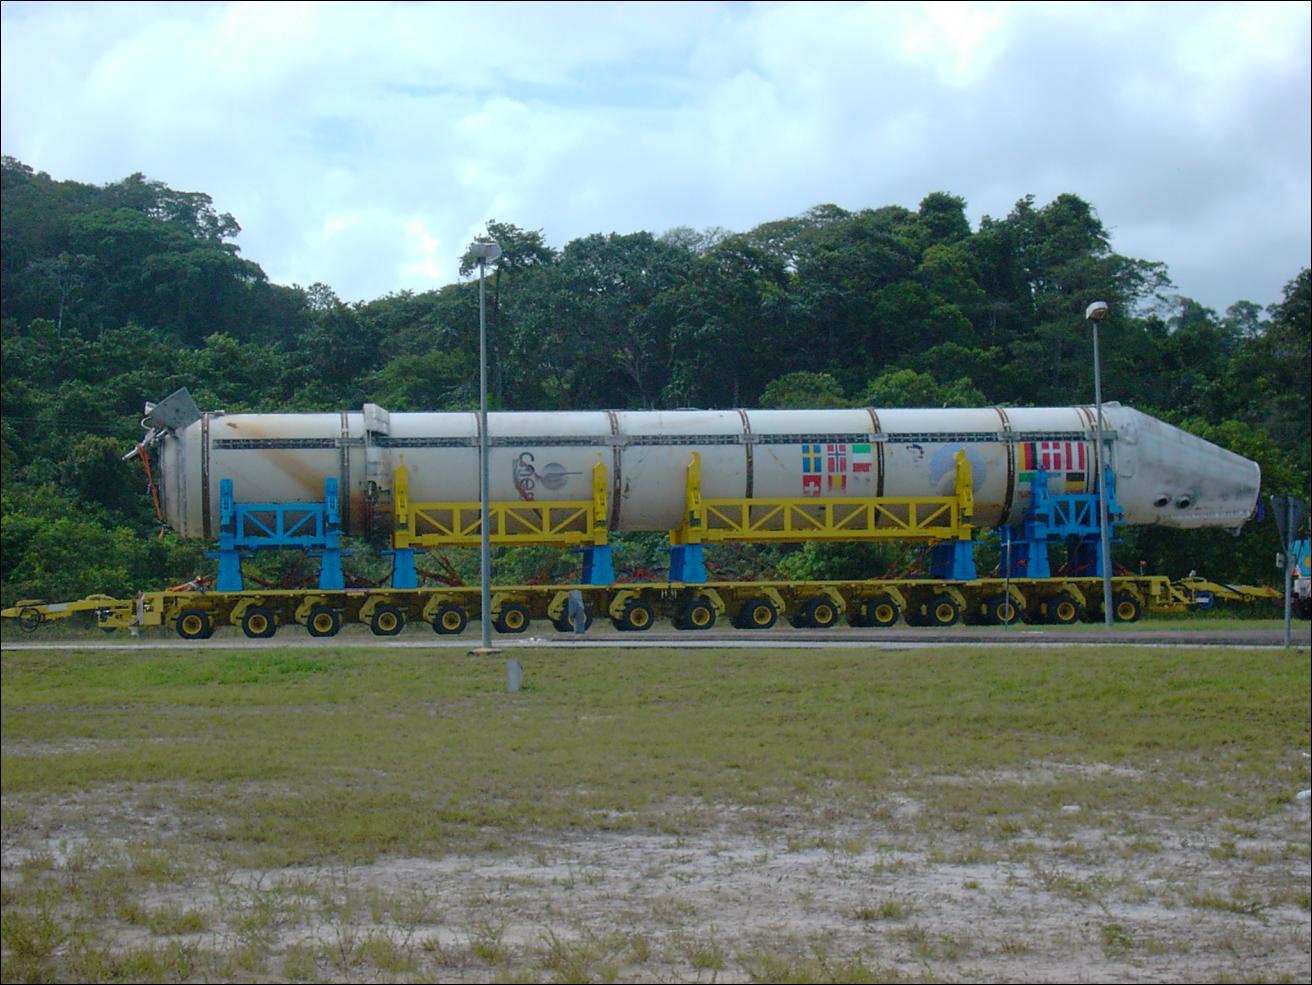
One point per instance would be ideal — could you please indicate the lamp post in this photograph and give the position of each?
(1095, 313)
(484, 251)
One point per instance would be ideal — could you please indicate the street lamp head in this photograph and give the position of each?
(484, 250)
(1096, 311)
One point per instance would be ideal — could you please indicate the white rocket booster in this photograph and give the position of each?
(1163, 475)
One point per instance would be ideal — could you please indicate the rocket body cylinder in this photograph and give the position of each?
(1163, 475)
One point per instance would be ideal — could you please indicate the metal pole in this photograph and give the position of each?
(1006, 580)
(483, 520)
(1103, 533)
(1290, 537)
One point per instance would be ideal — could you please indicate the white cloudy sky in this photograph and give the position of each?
(364, 145)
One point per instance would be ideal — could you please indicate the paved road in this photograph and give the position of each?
(722, 639)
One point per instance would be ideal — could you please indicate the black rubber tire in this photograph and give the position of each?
(450, 620)
(258, 623)
(195, 624)
(1062, 610)
(942, 611)
(1126, 608)
(1003, 611)
(881, 612)
(697, 614)
(387, 620)
(563, 625)
(820, 614)
(323, 621)
(512, 619)
(758, 613)
(637, 617)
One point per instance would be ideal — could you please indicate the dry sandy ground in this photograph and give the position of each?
(891, 896)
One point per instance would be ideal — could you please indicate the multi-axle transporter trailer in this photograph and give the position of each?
(920, 481)
(630, 607)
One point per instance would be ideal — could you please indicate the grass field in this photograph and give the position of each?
(966, 814)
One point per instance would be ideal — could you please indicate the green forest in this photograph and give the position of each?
(118, 294)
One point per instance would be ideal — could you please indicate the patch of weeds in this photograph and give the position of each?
(637, 949)
(299, 963)
(974, 855)
(794, 970)
(102, 891)
(486, 945)
(1090, 890)
(926, 946)
(1141, 845)
(385, 953)
(414, 907)
(158, 865)
(705, 955)
(241, 961)
(1008, 828)
(83, 857)
(257, 917)
(673, 911)
(172, 920)
(889, 909)
(573, 960)
(96, 960)
(342, 951)
(1224, 852)
(1116, 940)
(1136, 893)
(37, 862)
(444, 955)
(1244, 907)
(890, 866)
(132, 912)
(1262, 856)
(31, 939)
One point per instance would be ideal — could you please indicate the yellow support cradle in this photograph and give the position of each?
(567, 523)
(904, 518)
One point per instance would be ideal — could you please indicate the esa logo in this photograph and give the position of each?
(528, 477)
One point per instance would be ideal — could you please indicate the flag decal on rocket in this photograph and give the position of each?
(836, 463)
(1061, 458)
(825, 467)
(863, 458)
(811, 469)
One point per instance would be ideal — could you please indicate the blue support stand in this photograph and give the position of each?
(244, 528)
(331, 576)
(1069, 517)
(688, 564)
(1086, 557)
(230, 578)
(953, 560)
(1024, 558)
(404, 574)
(598, 565)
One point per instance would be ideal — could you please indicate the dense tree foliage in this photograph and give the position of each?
(117, 294)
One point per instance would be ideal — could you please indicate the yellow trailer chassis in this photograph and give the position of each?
(631, 607)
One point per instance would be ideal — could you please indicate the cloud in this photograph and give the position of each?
(365, 145)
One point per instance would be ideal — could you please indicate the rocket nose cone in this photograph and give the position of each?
(1181, 480)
